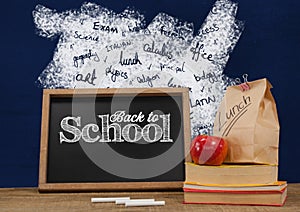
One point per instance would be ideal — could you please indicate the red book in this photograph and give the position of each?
(273, 195)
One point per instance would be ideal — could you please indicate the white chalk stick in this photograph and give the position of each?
(123, 201)
(108, 199)
(147, 203)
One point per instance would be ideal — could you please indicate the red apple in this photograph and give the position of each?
(208, 150)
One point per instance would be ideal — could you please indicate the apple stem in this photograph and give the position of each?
(209, 131)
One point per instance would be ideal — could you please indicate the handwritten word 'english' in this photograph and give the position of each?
(162, 52)
(88, 55)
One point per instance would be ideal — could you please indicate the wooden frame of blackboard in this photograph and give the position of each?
(48, 94)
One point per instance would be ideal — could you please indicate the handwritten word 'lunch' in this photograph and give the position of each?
(111, 123)
(82, 57)
(153, 49)
(129, 61)
(234, 114)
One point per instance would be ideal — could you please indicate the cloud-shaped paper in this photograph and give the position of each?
(99, 48)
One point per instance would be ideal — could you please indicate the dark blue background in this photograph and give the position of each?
(269, 47)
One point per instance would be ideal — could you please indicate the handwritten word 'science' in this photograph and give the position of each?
(161, 133)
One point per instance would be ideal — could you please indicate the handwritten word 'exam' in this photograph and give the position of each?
(120, 134)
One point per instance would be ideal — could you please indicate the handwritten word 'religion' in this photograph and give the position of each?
(121, 132)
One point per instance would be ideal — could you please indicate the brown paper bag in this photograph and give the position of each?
(248, 121)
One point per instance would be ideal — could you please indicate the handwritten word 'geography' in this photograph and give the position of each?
(88, 55)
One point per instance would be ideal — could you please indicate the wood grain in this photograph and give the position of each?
(29, 199)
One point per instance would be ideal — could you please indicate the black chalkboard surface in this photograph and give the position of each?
(114, 139)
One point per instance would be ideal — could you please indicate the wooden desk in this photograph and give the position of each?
(29, 199)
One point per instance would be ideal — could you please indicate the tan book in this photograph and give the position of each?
(274, 195)
(231, 174)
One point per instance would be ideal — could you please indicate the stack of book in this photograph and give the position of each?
(234, 184)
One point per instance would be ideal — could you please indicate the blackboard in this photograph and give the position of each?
(114, 139)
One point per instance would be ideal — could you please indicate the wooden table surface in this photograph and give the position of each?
(29, 199)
